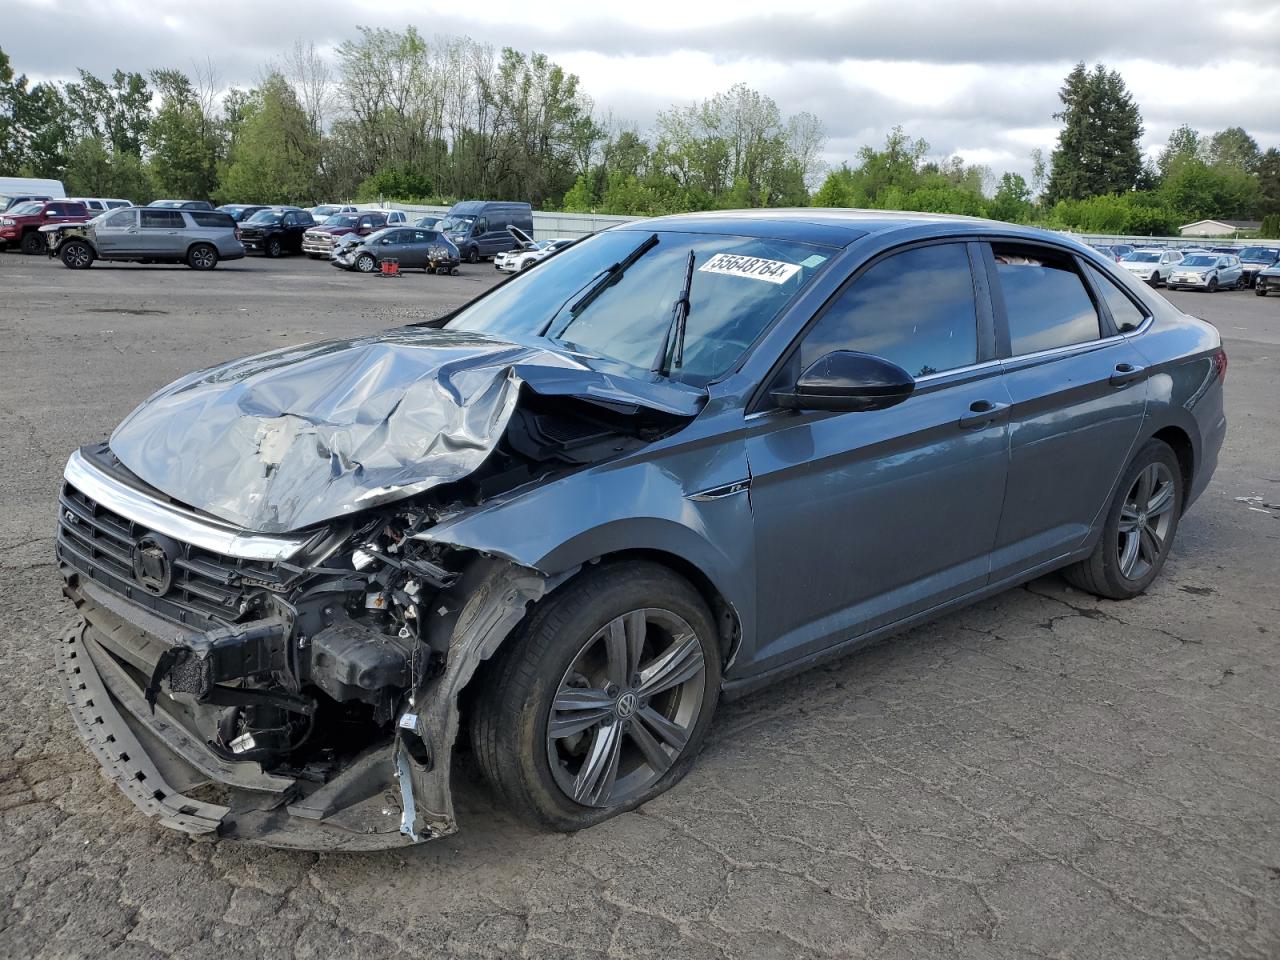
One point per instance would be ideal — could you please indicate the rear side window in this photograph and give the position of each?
(161, 219)
(212, 219)
(1124, 311)
(1045, 299)
(915, 308)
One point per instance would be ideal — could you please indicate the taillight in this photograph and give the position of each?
(1220, 364)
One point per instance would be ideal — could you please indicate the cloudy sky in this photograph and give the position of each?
(974, 78)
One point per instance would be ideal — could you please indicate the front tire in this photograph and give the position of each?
(1138, 532)
(1213, 284)
(33, 243)
(1259, 290)
(272, 248)
(473, 255)
(202, 257)
(76, 255)
(603, 701)
(365, 263)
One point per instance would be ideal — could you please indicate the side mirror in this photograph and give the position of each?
(385, 240)
(848, 381)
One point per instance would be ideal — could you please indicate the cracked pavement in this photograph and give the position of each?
(1044, 774)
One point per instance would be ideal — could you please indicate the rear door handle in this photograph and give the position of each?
(983, 412)
(1127, 373)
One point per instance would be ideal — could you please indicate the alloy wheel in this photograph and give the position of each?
(1145, 521)
(365, 263)
(626, 707)
(76, 256)
(203, 258)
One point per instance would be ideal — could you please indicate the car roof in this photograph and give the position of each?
(836, 227)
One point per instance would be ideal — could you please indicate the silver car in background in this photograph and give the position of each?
(198, 238)
(1207, 271)
(1151, 266)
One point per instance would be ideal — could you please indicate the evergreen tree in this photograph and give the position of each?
(1184, 143)
(1268, 173)
(1097, 151)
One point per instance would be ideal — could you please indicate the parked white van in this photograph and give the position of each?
(13, 189)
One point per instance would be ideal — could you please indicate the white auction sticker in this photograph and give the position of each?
(774, 271)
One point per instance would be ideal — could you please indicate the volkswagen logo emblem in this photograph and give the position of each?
(153, 564)
(625, 706)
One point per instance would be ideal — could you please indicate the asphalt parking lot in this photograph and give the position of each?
(1042, 775)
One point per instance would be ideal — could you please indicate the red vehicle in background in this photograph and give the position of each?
(318, 242)
(20, 224)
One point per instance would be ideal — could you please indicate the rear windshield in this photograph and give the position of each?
(266, 216)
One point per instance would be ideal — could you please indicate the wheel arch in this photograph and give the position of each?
(1180, 441)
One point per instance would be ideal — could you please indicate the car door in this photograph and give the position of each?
(415, 248)
(483, 237)
(1167, 262)
(160, 236)
(1079, 392)
(117, 235)
(863, 519)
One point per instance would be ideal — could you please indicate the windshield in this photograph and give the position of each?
(1259, 253)
(25, 209)
(266, 216)
(376, 235)
(1139, 257)
(739, 285)
(456, 224)
(324, 210)
(342, 220)
(1198, 261)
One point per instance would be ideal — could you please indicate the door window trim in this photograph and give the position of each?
(983, 311)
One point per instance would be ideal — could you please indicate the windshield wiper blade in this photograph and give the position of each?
(612, 275)
(676, 328)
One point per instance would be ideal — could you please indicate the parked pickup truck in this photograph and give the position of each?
(318, 242)
(20, 225)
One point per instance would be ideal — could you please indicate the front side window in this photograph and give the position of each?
(740, 284)
(122, 219)
(915, 308)
(1045, 299)
(1124, 311)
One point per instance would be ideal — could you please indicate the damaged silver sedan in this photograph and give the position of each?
(681, 459)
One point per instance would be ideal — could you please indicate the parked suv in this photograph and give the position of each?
(198, 238)
(276, 230)
(1153, 266)
(20, 225)
(318, 242)
(1207, 271)
(1253, 260)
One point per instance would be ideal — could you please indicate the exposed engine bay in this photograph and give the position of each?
(305, 674)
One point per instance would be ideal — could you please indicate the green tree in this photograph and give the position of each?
(1233, 147)
(1268, 173)
(116, 113)
(94, 171)
(580, 197)
(43, 129)
(1270, 226)
(1012, 200)
(1098, 149)
(276, 152)
(1184, 144)
(10, 146)
(184, 138)
(1196, 190)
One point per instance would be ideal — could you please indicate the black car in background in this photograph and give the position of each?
(275, 230)
(1256, 259)
(239, 212)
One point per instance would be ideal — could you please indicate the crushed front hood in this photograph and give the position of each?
(290, 438)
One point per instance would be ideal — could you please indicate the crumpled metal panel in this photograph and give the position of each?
(290, 438)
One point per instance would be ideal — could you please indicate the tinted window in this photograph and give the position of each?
(1045, 300)
(209, 219)
(122, 219)
(915, 308)
(162, 219)
(1124, 312)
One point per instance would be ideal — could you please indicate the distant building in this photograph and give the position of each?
(1219, 228)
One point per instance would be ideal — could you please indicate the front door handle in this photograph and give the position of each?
(1127, 373)
(983, 412)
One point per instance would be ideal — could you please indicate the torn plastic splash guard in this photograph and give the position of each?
(286, 439)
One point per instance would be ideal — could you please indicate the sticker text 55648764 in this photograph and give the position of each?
(731, 264)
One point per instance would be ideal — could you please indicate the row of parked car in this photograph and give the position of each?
(1197, 268)
(200, 235)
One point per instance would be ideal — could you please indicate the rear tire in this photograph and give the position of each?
(33, 243)
(76, 255)
(1259, 291)
(202, 257)
(1139, 528)
(566, 645)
